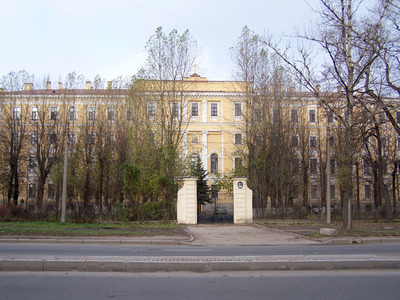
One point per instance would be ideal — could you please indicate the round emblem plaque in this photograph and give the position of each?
(240, 184)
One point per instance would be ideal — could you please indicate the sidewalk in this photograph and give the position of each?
(201, 235)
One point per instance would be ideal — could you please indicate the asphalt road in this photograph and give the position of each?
(148, 250)
(236, 285)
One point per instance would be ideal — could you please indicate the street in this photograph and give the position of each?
(235, 285)
(151, 250)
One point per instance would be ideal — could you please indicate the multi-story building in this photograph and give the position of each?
(214, 119)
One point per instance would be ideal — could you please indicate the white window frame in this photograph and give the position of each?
(314, 188)
(235, 141)
(33, 138)
(294, 115)
(175, 109)
(53, 109)
(198, 109)
(314, 172)
(151, 109)
(91, 113)
(314, 114)
(216, 106)
(73, 113)
(313, 138)
(212, 162)
(34, 113)
(130, 113)
(295, 138)
(72, 138)
(110, 113)
(16, 113)
(238, 110)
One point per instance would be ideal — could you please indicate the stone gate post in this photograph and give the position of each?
(242, 201)
(186, 209)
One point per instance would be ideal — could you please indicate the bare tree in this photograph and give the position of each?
(339, 34)
(170, 59)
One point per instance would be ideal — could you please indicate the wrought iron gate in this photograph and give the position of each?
(215, 213)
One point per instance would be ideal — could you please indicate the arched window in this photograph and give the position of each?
(214, 163)
(73, 113)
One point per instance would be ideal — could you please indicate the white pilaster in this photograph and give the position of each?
(242, 202)
(204, 149)
(204, 110)
(187, 202)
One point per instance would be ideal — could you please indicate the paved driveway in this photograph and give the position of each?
(221, 234)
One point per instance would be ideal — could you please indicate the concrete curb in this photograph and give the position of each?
(177, 242)
(199, 264)
(33, 240)
(358, 240)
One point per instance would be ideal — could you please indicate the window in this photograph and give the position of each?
(51, 191)
(34, 113)
(214, 109)
(294, 115)
(33, 139)
(32, 164)
(333, 191)
(53, 113)
(110, 139)
(398, 142)
(295, 141)
(16, 113)
(110, 114)
(91, 113)
(51, 161)
(296, 165)
(73, 113)
(367, 191)
(72, 139)
(129, 113)
(91, 139)
(313, 141)
(314, 191)
(238, 139)
(195, 109)
(214, 163)
(312, 116)
(15, 139)
(151, 109)
(175, 109)
(367, 168)
(332, 166)
(238, 109)
(257, 115)
(32, 190)
(238, 163)
(52, 137)
(313, 166)
(329, 117)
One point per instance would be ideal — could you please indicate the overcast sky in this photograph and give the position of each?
(107, 37)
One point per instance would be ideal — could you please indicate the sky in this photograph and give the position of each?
(108, 37)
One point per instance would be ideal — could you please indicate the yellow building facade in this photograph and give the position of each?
(214, 117)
